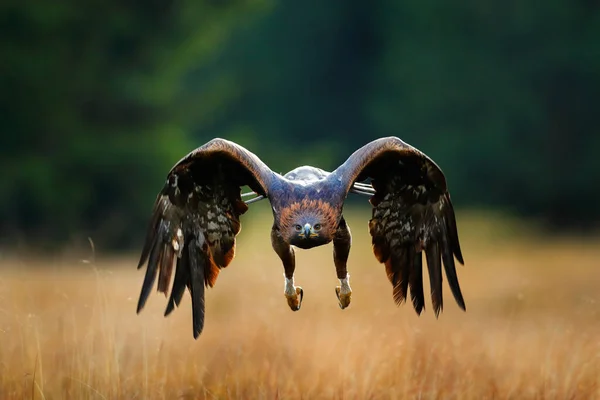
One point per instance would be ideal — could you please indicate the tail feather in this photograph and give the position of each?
(151, 271)
(180, 282)
(452, 231)
(166, 268)
(432, 253)
(416, 281)
(211, 269)
(197, 262)
(151, 233)
(398, 270)
(450, 269)
(402, 274)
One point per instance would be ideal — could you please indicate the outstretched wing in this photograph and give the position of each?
(412, 213)
(195, 220)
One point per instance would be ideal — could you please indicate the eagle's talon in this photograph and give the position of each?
(295, 300)
(343, 298)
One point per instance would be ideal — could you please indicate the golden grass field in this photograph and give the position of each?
(531, 330)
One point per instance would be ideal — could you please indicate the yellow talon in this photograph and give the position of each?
(343, 298)
(295, 300)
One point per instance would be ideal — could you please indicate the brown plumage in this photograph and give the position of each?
(196, 218)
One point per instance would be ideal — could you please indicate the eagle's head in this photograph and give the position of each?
(308, 223)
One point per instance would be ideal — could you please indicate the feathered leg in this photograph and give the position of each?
(342, 241)
(285, 252)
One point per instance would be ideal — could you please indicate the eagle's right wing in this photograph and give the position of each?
(196, 219)
(412, 215)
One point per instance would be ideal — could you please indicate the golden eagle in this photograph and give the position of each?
(196, 218)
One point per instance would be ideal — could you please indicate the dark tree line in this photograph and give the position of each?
(98, 101)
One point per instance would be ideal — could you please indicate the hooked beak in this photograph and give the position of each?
(307, 231)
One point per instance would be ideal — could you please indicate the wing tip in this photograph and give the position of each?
(459, 257)
(399, 299)
(169, 309)
(197, 332)
(140, 305)
(461, 303)
(419, 309)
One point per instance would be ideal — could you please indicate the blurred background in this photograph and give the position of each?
(98, 100)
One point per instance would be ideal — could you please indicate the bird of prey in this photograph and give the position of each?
(196, 218)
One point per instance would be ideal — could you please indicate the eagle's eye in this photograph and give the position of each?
(317, 227)
(298, 228)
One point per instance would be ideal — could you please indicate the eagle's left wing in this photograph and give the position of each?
(412, 212)
(196, 219)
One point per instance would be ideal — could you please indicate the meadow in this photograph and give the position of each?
(68, 328)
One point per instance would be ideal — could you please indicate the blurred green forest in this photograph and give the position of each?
(99, 99)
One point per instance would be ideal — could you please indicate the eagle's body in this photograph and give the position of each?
(196, 220)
